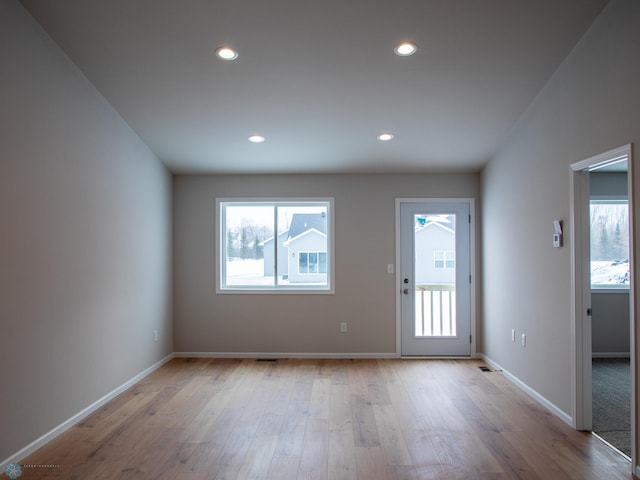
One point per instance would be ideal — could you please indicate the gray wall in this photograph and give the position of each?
(364, 245)
(610, 325)
(608, 183)
(85, 242)
(589, 106)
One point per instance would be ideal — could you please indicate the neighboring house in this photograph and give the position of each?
(302, 250)
(268, 251)
(301, 222)
(435, 254)
(308, 257)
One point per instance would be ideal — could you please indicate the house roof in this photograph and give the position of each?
(437, 224)
(304, 234)
(301, 222)
(270, 239)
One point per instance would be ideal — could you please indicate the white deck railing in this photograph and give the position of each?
(435, 310)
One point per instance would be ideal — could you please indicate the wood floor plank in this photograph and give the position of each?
(364, 422)
(319, 404)
(391, 439)
(257, 462)
(283, 467)
(314, 460)
(235, 451)
(295, 421)
(204, 420)
(340, 417)
(291, 436)
(370, 464)
(196, 419)
(341, 456)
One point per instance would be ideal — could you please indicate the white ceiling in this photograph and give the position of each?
(318, 79)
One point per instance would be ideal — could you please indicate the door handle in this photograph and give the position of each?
(406, 291)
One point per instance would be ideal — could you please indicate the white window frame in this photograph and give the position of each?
(318, 263)
(220, 246)
(444, 259)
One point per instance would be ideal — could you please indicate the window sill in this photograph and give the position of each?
(599, 289)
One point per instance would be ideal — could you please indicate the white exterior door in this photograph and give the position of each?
(435, 275)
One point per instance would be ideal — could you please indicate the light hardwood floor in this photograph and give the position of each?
(196, 419)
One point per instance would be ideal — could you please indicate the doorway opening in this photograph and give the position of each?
(603, 295)
(610, 316)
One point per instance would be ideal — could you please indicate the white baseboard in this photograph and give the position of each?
(472, 356)
(611, 355)
(318, 356)
(64, 426)
(566, 418)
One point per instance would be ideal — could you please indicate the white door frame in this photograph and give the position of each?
(581, 348)
(472, 260)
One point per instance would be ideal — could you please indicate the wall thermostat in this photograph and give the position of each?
(557, 236)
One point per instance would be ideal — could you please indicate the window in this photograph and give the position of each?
(444, 259)
(312, 263)
(609, 243)
(275, 245)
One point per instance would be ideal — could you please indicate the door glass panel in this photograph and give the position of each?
(435, 275)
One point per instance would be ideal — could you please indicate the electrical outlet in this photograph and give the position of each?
(155, 335)
(513, 335)
(343, 327)
(524, 340)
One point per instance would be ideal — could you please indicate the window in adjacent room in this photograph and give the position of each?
(275, 245)
(609, 243)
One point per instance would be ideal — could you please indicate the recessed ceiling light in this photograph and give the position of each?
(385, 137)
(256, 139)
(226, 53)
(405, 49)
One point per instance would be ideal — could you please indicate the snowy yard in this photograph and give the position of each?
(247, 272)
(610, 273)
(250, 272)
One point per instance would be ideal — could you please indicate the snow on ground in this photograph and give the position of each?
(250, 272)
(247, 272)
(610, 273)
